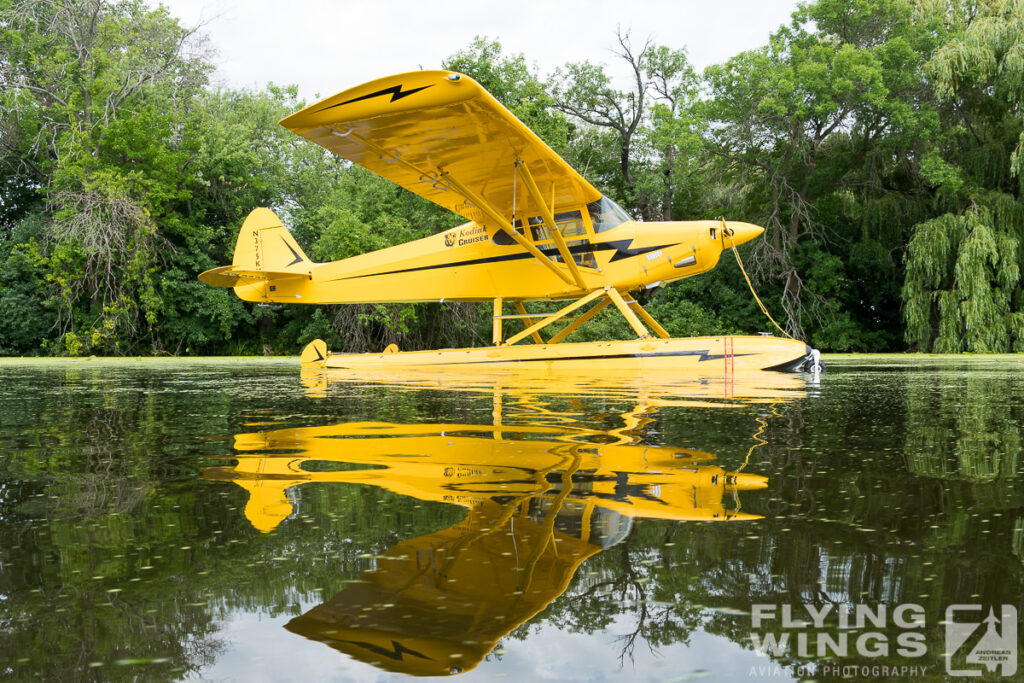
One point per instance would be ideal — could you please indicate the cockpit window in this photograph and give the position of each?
(606, 214)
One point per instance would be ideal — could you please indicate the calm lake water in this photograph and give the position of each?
(235, 520)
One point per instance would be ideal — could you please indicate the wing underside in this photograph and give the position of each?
(429, 131)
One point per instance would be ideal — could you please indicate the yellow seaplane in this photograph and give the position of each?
(464, 464)
(536, 230)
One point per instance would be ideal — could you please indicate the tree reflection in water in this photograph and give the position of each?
(886, 484)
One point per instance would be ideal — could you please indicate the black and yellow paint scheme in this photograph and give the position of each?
(536, 230)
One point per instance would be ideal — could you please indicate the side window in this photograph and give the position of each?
(538, 231)
(570, 224)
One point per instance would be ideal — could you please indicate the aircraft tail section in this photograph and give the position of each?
(265, 244)
(265, 251)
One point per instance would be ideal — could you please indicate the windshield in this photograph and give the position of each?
(606, 214)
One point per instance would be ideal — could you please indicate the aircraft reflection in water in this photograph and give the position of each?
(542, 498)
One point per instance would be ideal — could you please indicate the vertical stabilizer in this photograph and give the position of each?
(265, 251)
(264, 244)
(315, 354)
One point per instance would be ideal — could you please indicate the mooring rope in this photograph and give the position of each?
(763, 422)
(727, 232)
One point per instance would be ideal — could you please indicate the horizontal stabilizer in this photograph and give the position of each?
(231, 276)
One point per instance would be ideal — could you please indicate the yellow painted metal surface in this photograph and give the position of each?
(537, 230)
(466, 264)
(717, 356)
(412, 127)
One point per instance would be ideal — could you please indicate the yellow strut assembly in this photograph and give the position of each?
(646, 317)
(503, 223)
(496, 325)
(557, 315)
(549, 221)
(492, 212)
(578, 322)
(627, 312)
(527, 320)
(631, 310)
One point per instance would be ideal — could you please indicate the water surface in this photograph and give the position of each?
(236, 520)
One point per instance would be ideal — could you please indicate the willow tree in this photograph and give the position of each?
(796, 124)
(961, 280)
(963, 287)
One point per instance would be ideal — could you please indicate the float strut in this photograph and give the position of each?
(575, 324)
(646, 317)
(528, 321)
(627, 313)
(557, 315)
(496, 327)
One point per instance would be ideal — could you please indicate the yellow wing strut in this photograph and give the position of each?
(504, 224)
(549, 220)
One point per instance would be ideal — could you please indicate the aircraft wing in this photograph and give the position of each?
(413, 128)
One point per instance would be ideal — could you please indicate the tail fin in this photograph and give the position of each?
(315, 354)
(265, 244)
(265, 250)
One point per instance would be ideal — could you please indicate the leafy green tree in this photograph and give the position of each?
(963, 289)
(584, 91)
(650, 129)
(879, 141)
(96, 90)
(673, 139)
(796, 120)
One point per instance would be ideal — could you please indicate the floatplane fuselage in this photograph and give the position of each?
(470, 263)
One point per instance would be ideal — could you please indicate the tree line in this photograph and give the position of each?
(880, 142)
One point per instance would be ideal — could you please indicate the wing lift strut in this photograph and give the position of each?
(631, 310)
(495, 216)
(444, 180)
